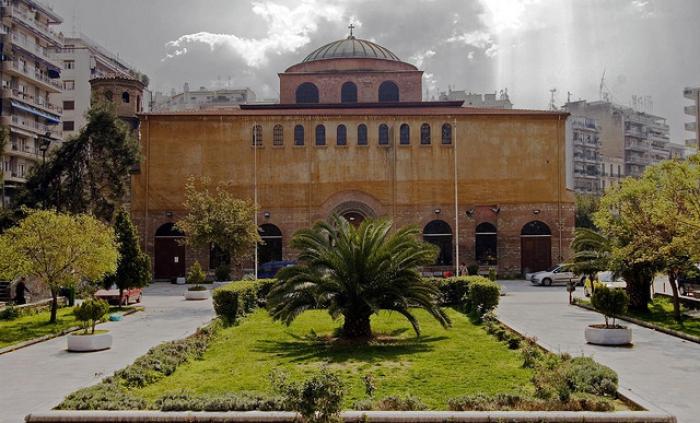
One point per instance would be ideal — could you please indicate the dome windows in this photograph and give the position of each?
(348, 93)
(307, 93)
(388, 92)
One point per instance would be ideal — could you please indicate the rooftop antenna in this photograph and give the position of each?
(552, 101)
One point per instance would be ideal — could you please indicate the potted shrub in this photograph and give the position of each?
(89, 313)
(610, 302)
(196, 277)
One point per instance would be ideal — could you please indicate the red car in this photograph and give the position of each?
(111, 295)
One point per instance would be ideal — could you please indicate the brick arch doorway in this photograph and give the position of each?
(354, 212)
(169, 253)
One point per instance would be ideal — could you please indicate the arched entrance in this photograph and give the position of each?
(271, 249)
(354, 212)
(485, 244)
(169, 253)
(535, 247)
(439, 233)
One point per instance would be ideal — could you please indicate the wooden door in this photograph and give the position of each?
(535, 253)
(169, 258)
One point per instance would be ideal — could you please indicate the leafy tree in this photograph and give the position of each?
(356, 272)
(586, 205)
(59, 250)
(133, 265)
(218, 219)
(89, 173)
(653, 226)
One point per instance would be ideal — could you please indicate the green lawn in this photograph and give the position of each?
(440, 365)
(34, 325)
(661, 313)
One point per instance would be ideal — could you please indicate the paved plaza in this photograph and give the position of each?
(660, 371)
(37, 378)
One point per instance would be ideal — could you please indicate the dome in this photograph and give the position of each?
(351, 47)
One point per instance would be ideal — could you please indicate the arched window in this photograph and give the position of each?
(425, 133)
(169, 230)
(341, 135)
(125, 97)
(271, 249)
(348, 93)
(278, 135)
(535, 247)
(388, 92)
(447, 133)
(108, 95)
(405, 134)
(320, 135)
(307, 93)
(383, 134)
(256, 136)
(485, 244)
(362, 134)
(439, 233)
(299, 135)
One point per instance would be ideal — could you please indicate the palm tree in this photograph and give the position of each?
(591, 252)
(355, 272)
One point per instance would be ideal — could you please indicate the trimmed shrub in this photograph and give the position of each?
(186, 401)
(391, 403)
(507, 402)
(318, 399)
(90, 312)
(235, 300)
(105, 396)
(223, 273)
(196, 275)
(9, 313)
(586, 375)
(609, 302)
(453, 291)
(473, 269)
(483, 295)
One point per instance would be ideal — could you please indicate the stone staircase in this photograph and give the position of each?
(5, 296)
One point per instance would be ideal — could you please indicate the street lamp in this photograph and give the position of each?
(44, 143)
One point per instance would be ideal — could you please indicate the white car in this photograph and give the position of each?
(608, 279)
(556, 275)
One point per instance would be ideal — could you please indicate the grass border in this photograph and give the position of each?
(24, 344)
(678, 334)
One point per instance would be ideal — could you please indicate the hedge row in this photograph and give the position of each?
(236, 299)
(470, 293)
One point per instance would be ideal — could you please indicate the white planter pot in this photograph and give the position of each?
(196, 295)
(603, 336)
(85, 343)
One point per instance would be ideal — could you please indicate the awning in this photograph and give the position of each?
(50, 118)
(53, 71)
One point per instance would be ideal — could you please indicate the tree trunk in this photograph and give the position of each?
(638, 285)
(54, 305)
(356, 327)
(672, 280)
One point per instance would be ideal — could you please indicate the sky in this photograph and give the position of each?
(647, 50)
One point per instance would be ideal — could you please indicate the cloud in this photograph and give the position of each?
(288, 29)
(479, 39)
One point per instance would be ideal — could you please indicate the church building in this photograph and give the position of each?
(352, 135)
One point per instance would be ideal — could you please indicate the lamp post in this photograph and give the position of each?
(44, 144)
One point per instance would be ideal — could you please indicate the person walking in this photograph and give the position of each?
(20, 290)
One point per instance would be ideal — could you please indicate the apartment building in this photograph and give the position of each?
(586, 155)
(498, 100)
(202, 99)
(692, 143)
(30, 88)
(83, 59)
(639, 139)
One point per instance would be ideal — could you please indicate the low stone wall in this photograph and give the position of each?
(352, 416)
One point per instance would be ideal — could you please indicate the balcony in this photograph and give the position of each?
(32, 24)
(691, 93)
(691, 126)
(635, 132)
(30, 99)
(45, 82)
(34, 50)
(30, 125)
(691, 110)
(635, 145)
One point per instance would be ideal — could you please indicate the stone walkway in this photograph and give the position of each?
(37, 378)
(659, 370)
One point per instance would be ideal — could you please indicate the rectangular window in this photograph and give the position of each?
(611, 170)
(69, 85)
(619, 171)
(69, 105)
(68, 64)
(68, 125)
